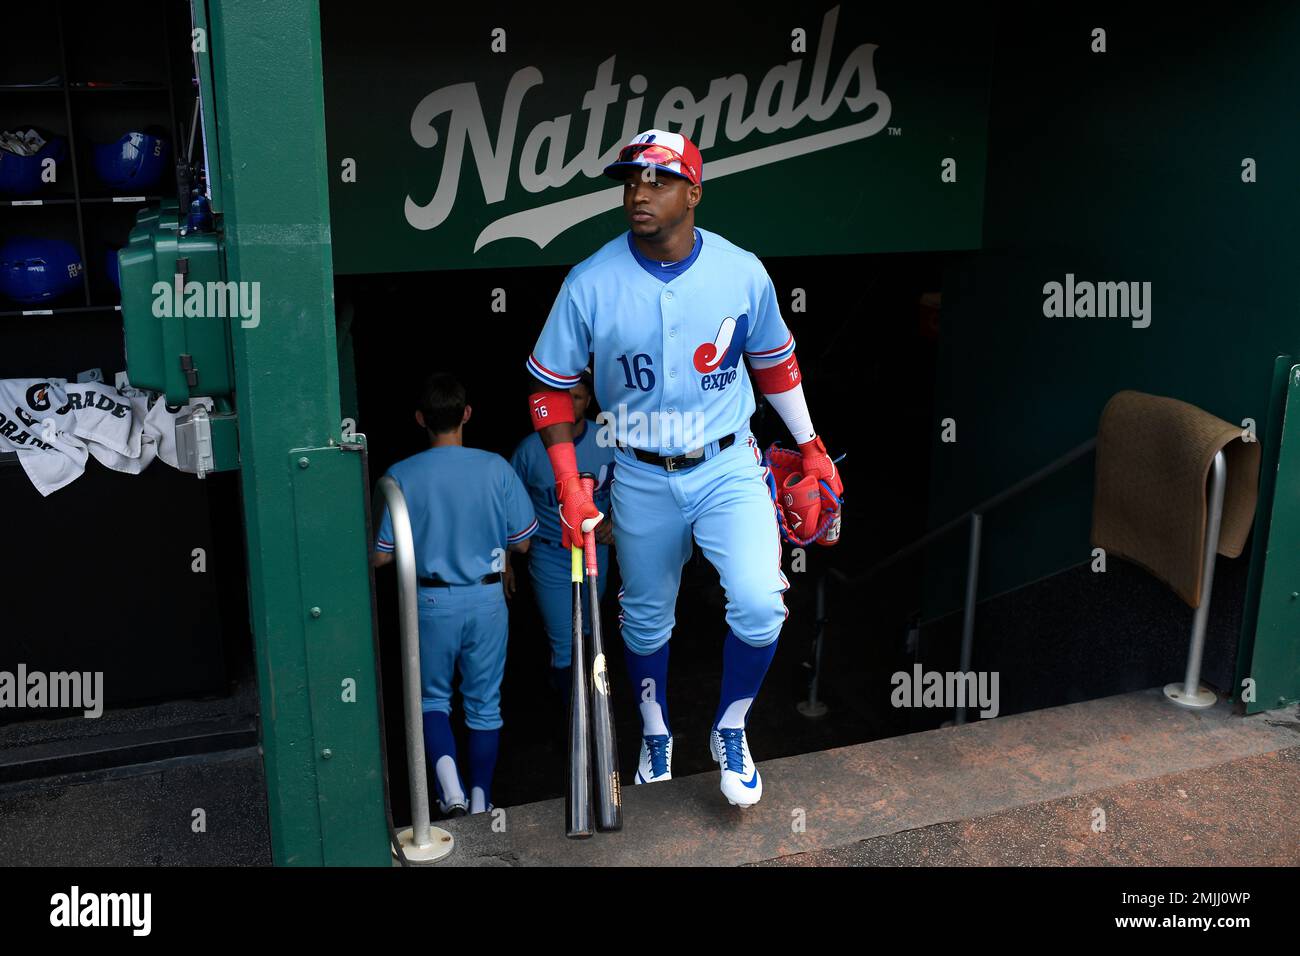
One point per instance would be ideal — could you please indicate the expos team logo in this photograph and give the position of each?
(716, 361)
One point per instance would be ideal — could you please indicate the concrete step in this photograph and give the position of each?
(141, 815)
(1240, 813)
(52, 758)
(63, 745)
(838, 798)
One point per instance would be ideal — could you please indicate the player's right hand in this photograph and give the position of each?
(577, 509)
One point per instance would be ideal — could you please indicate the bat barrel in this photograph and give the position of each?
(609, 793)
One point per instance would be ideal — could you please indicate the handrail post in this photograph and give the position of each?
(417, 842)
(812, 707)
(1190, 693)
(968, 612)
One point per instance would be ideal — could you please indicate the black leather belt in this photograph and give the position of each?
(679, 462)
(435, 583)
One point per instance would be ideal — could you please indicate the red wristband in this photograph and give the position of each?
(550, 408)
(778, 378)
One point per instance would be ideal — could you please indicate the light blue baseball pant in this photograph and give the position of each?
(550, 568)
(725, 503)
(465, 628)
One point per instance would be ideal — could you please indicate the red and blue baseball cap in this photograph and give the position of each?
(667, 152)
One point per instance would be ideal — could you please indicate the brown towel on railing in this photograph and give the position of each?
(1151, 503)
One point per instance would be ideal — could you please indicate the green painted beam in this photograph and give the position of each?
(1274, 658)
(303, 496)
(1270, 439)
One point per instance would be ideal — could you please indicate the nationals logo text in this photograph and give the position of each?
(541, 159)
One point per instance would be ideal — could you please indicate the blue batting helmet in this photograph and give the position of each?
(136, 161)
(33, 271)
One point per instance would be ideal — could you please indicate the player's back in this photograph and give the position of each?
(462, 503)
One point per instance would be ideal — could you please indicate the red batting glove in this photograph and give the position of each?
(817, 462)
(578, 512)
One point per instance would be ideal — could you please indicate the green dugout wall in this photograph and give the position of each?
(1125, 165)
(1118, 166)
(303, 493)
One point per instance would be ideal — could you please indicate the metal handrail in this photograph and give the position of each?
(1190, 693)
(982, 508)
(975, 516)
(1187, 694)
(422, 844)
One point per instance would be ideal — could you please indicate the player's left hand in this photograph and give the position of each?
(817, 462)
(605, 530)
(508, 580)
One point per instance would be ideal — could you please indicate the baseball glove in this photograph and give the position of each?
(807, 510)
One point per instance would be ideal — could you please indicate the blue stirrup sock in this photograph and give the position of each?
(649, 675)
(743, 670)
(483, 746)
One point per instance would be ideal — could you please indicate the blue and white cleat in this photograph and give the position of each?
(456, 803)
(656, 764)
(741, 783)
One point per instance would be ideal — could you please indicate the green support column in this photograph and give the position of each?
(1269, 652)
(303, 495)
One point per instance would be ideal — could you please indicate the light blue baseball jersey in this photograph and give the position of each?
(466, 505)
(667, 349)
(534, 469)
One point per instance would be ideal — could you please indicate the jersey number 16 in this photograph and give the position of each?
(645, 377)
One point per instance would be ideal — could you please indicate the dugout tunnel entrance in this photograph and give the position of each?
(923, 327)
(391, 354)
(921, 312)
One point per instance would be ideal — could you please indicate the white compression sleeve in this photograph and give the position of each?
(793, 409)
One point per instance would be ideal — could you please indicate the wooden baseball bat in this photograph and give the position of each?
(609, 793)
(577, 801)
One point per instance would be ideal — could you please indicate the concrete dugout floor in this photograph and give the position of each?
(1176, 786)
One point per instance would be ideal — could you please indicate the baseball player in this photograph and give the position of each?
(548, 562)
(667, 310)
(467, 509)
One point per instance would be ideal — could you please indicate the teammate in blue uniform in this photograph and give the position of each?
(468, 508)
(548, 563)
(668, 309)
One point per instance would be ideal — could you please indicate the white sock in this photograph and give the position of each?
(449, 780)
(734, 715)
(477, 800)
(652, 720)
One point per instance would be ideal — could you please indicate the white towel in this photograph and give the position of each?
(34, 423)
(102, 416)
(55, 427)
(142, 447)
